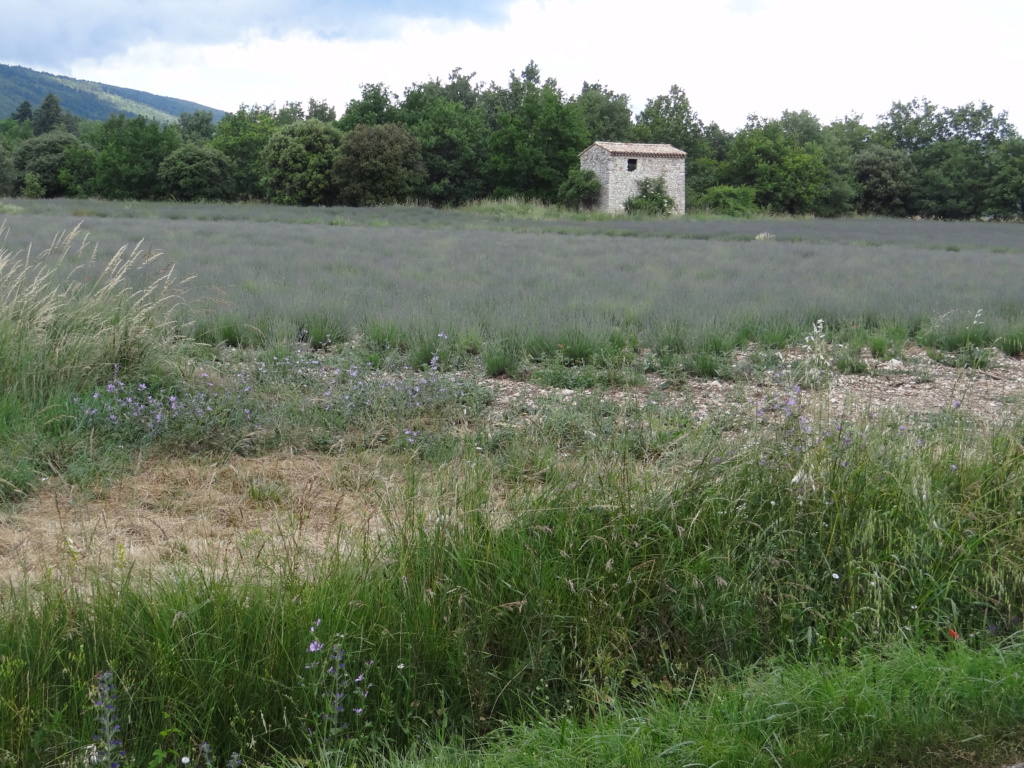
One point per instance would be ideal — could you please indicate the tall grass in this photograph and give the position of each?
(648, 555)
(903, 706)
(67, 323)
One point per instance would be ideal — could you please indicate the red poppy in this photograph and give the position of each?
(953, 634)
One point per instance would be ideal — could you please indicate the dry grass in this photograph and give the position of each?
(252, 513)
(239, 510)
(65, 317)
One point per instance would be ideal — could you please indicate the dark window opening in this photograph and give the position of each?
(631, 164)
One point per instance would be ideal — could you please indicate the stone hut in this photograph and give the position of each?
(619, 165)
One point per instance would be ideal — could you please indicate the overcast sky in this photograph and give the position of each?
(732, 57)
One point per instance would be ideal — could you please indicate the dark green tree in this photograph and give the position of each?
(78, 170)
(1005, 193)
(243, 136)
(952, 179)
(377, 106)
(291, 112)
(42, 157)
(453, 137)
(8, 177)
(320, 110)
(378, 165)
(605, 113)
(298, 164)
(130, 153)
(196, 126)
(788, 177)
(952, 151)
(671, 120)
(581, 190)
(23, 113)
(838, 192)
(48, 117)
(536, 140)
(886, 178)
(196, 172)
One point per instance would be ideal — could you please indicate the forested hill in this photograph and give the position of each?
(93, 101)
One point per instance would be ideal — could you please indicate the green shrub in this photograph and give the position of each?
(730, 201)
(1012, 343)
(651, 199)
(582, 189)
(32, 188)
(503, 357)
(196, 172)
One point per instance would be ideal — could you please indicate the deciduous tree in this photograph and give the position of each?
(42, 156)
(130, 153)
(322, 111)
(605, 113)
(536, 140)
(378, 105)
(78, 170)
(378, 165)
(671, 119)
(298, 162)
(291, 112)
(788, 177)
(196, 172)
(453, 137)
(242, 136)
(196, 126)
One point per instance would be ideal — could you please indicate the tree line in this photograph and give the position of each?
(447, 142)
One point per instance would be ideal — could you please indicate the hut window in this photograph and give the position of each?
(631, 164)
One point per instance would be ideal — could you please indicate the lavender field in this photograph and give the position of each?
(265, 274)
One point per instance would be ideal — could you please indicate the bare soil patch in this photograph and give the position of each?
(285, 508)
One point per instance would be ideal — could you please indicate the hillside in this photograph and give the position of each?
(93, 101)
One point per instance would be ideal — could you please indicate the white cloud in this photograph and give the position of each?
(733, 57)
(52, 33)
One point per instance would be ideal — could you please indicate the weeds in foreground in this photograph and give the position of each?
(67, 321)
(593, 551)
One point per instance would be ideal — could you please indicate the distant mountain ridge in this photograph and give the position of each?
(93, 101)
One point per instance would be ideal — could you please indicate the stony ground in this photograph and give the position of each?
(286, 507)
